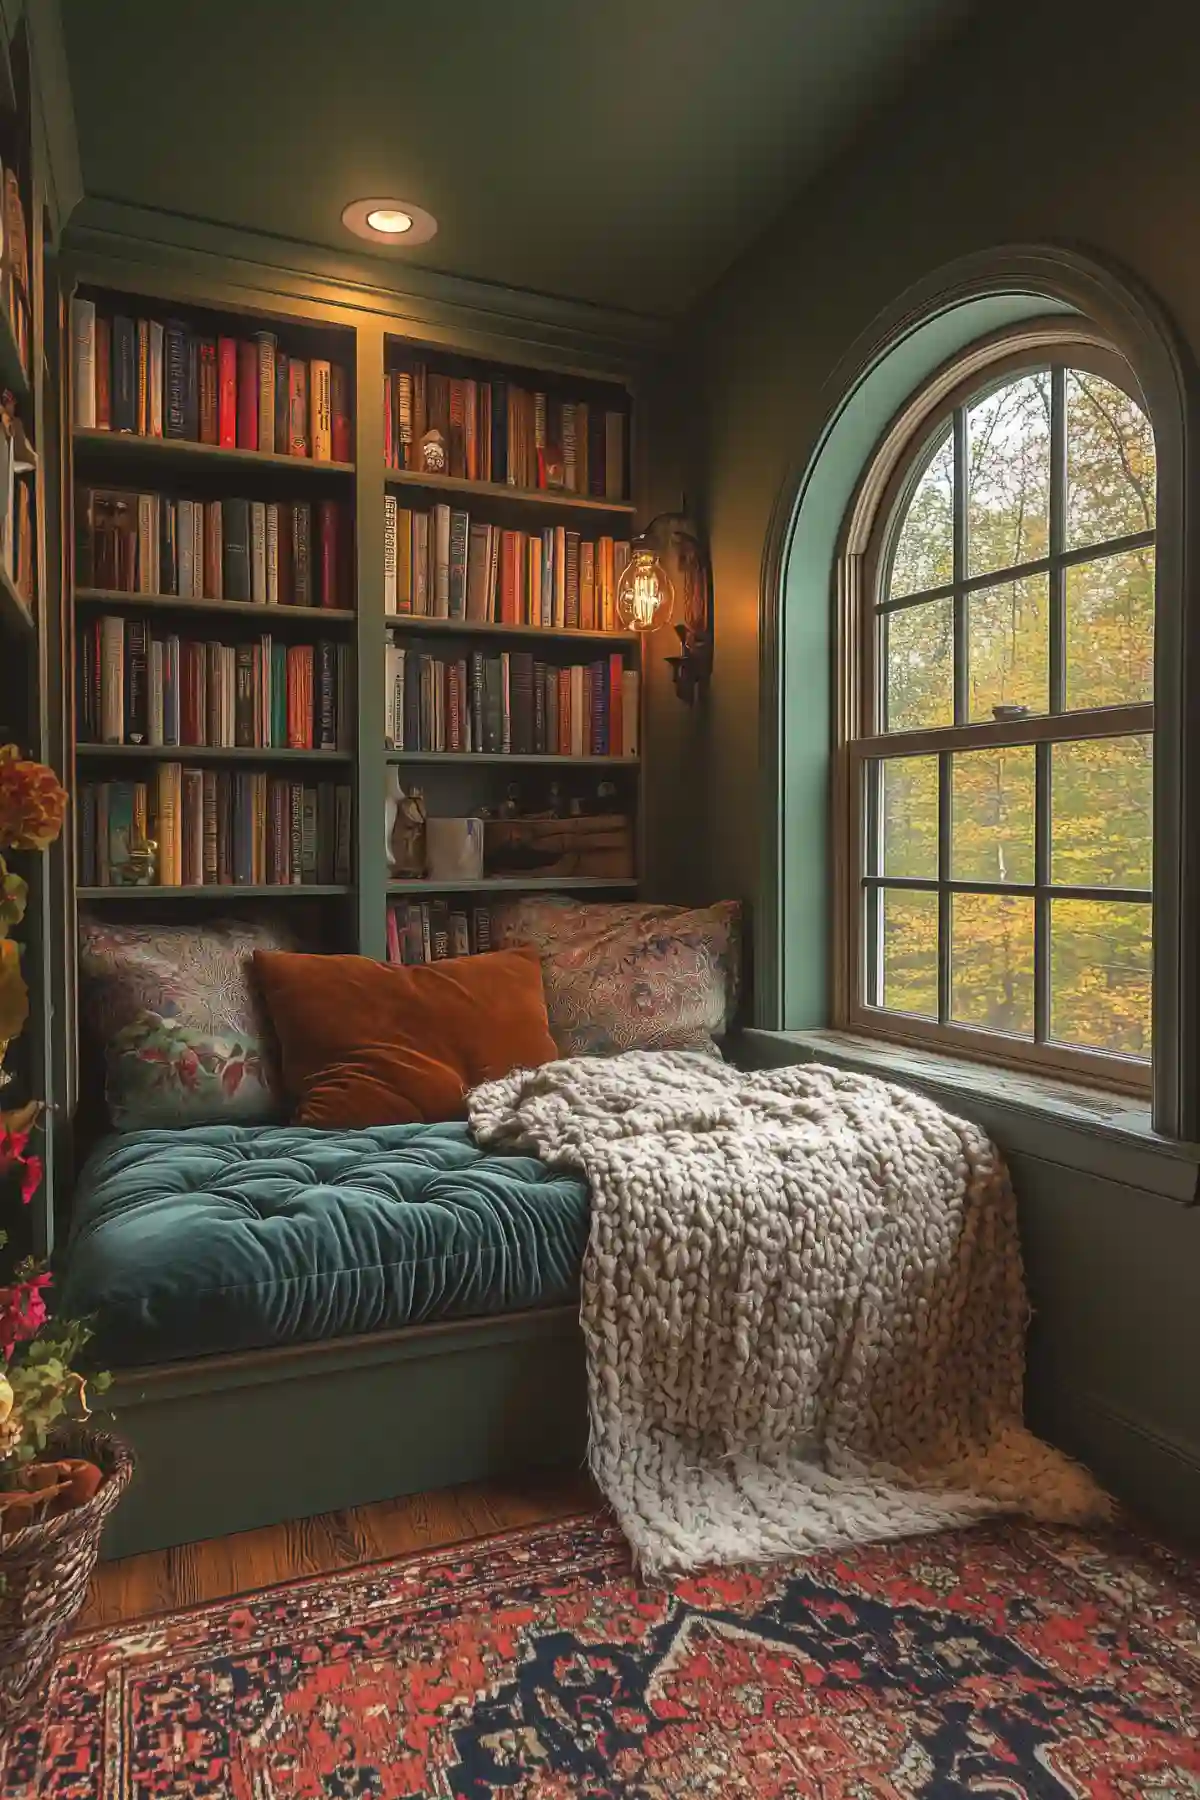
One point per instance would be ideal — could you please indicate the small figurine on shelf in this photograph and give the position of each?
(556, 804)
(510, 806)
(433, 453)
(140, 866)
(408, 837)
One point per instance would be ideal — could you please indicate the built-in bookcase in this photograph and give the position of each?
(28, 596)
(514, 763)
(214, 599)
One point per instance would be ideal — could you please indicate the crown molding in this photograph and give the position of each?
(103, 231)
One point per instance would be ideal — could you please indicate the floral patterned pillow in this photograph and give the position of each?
(630, 977)
(185, 1036)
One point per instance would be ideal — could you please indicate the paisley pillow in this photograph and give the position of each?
(630, 976)
(185, 1036)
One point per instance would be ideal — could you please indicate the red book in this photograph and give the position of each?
(328, 571)
(247, 396)
(103, 355)
(389, 431)
(339, 407)
(227, 385)
(616, 724)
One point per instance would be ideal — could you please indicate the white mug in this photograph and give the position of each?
(454, 849)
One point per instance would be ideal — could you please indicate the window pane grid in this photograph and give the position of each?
(1049, 476)
(1042, 565)
(959, 977)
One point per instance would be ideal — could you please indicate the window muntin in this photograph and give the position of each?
(1002, 797)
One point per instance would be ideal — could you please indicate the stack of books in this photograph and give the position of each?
(14, 261)
(442, 565)
(286, 553)
(490, 429)
(16, 506)
(216, 828)
(511, 704)
(136, 686)
(431, 930)
(160, 378)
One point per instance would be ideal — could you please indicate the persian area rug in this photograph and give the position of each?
(1018, 1662)
(803, 1305)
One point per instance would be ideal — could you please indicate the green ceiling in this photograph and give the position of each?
(622, 152)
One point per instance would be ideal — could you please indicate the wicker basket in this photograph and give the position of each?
(46, 1570)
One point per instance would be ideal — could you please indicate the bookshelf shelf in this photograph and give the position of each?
(202, 753)
(118, 599)
(15, 615)
(504, 760)
(257, 891)
(506, 884)
(500, 490)
(183, 451)
(486, 628)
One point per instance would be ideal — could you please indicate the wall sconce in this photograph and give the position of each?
(667, 570)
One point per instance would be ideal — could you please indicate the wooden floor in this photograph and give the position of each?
(218, 1567)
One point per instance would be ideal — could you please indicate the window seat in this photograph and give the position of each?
(228, 1238)
(301, 1321)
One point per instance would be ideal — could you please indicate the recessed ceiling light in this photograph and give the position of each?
(385, 218)
(390, 224)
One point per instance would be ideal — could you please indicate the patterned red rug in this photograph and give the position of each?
(1006, 1661)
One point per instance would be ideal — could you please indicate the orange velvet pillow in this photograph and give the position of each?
(366, 1043)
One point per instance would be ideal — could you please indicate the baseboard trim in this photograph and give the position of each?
(1151, 1472)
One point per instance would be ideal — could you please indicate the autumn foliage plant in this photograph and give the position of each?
(39, 1387)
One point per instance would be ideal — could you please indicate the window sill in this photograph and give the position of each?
(1078, 1127)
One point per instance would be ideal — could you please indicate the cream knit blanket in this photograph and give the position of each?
(803, 1305)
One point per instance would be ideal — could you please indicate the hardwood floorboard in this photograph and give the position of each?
(194, 1574)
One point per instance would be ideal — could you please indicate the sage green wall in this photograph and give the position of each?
(1069, 123)
(1065, 123)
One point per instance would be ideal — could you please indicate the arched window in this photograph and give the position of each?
(997, 742)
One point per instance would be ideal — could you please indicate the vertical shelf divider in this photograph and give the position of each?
(370, 858)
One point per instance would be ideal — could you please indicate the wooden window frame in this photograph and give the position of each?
(868, 543)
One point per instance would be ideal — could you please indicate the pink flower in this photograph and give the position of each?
(13, 1157)
(22, 1311)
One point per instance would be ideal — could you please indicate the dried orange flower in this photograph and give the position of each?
(32, 802)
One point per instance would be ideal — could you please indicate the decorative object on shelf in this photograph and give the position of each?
(599, 845)
(140, 867)
(408, 834)
(433, 453)
(454, 849)
(668, 572)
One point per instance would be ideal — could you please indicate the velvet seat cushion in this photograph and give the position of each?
(221, 1238)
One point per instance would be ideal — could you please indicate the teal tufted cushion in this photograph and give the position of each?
(229, 1237)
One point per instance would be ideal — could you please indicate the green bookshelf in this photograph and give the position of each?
(118, 600)
(114, 447)
(366, 340)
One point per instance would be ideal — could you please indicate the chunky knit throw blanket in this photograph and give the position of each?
(803, 1305)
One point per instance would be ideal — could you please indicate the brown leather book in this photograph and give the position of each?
(209, 420)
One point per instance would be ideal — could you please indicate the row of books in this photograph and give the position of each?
(509, 705)
(16, 502)
(442, 564)
(491, 429)
(161, 379)
(136, 686)
(431, 930)
(14, 261)
(286, 553)
(215, 828)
